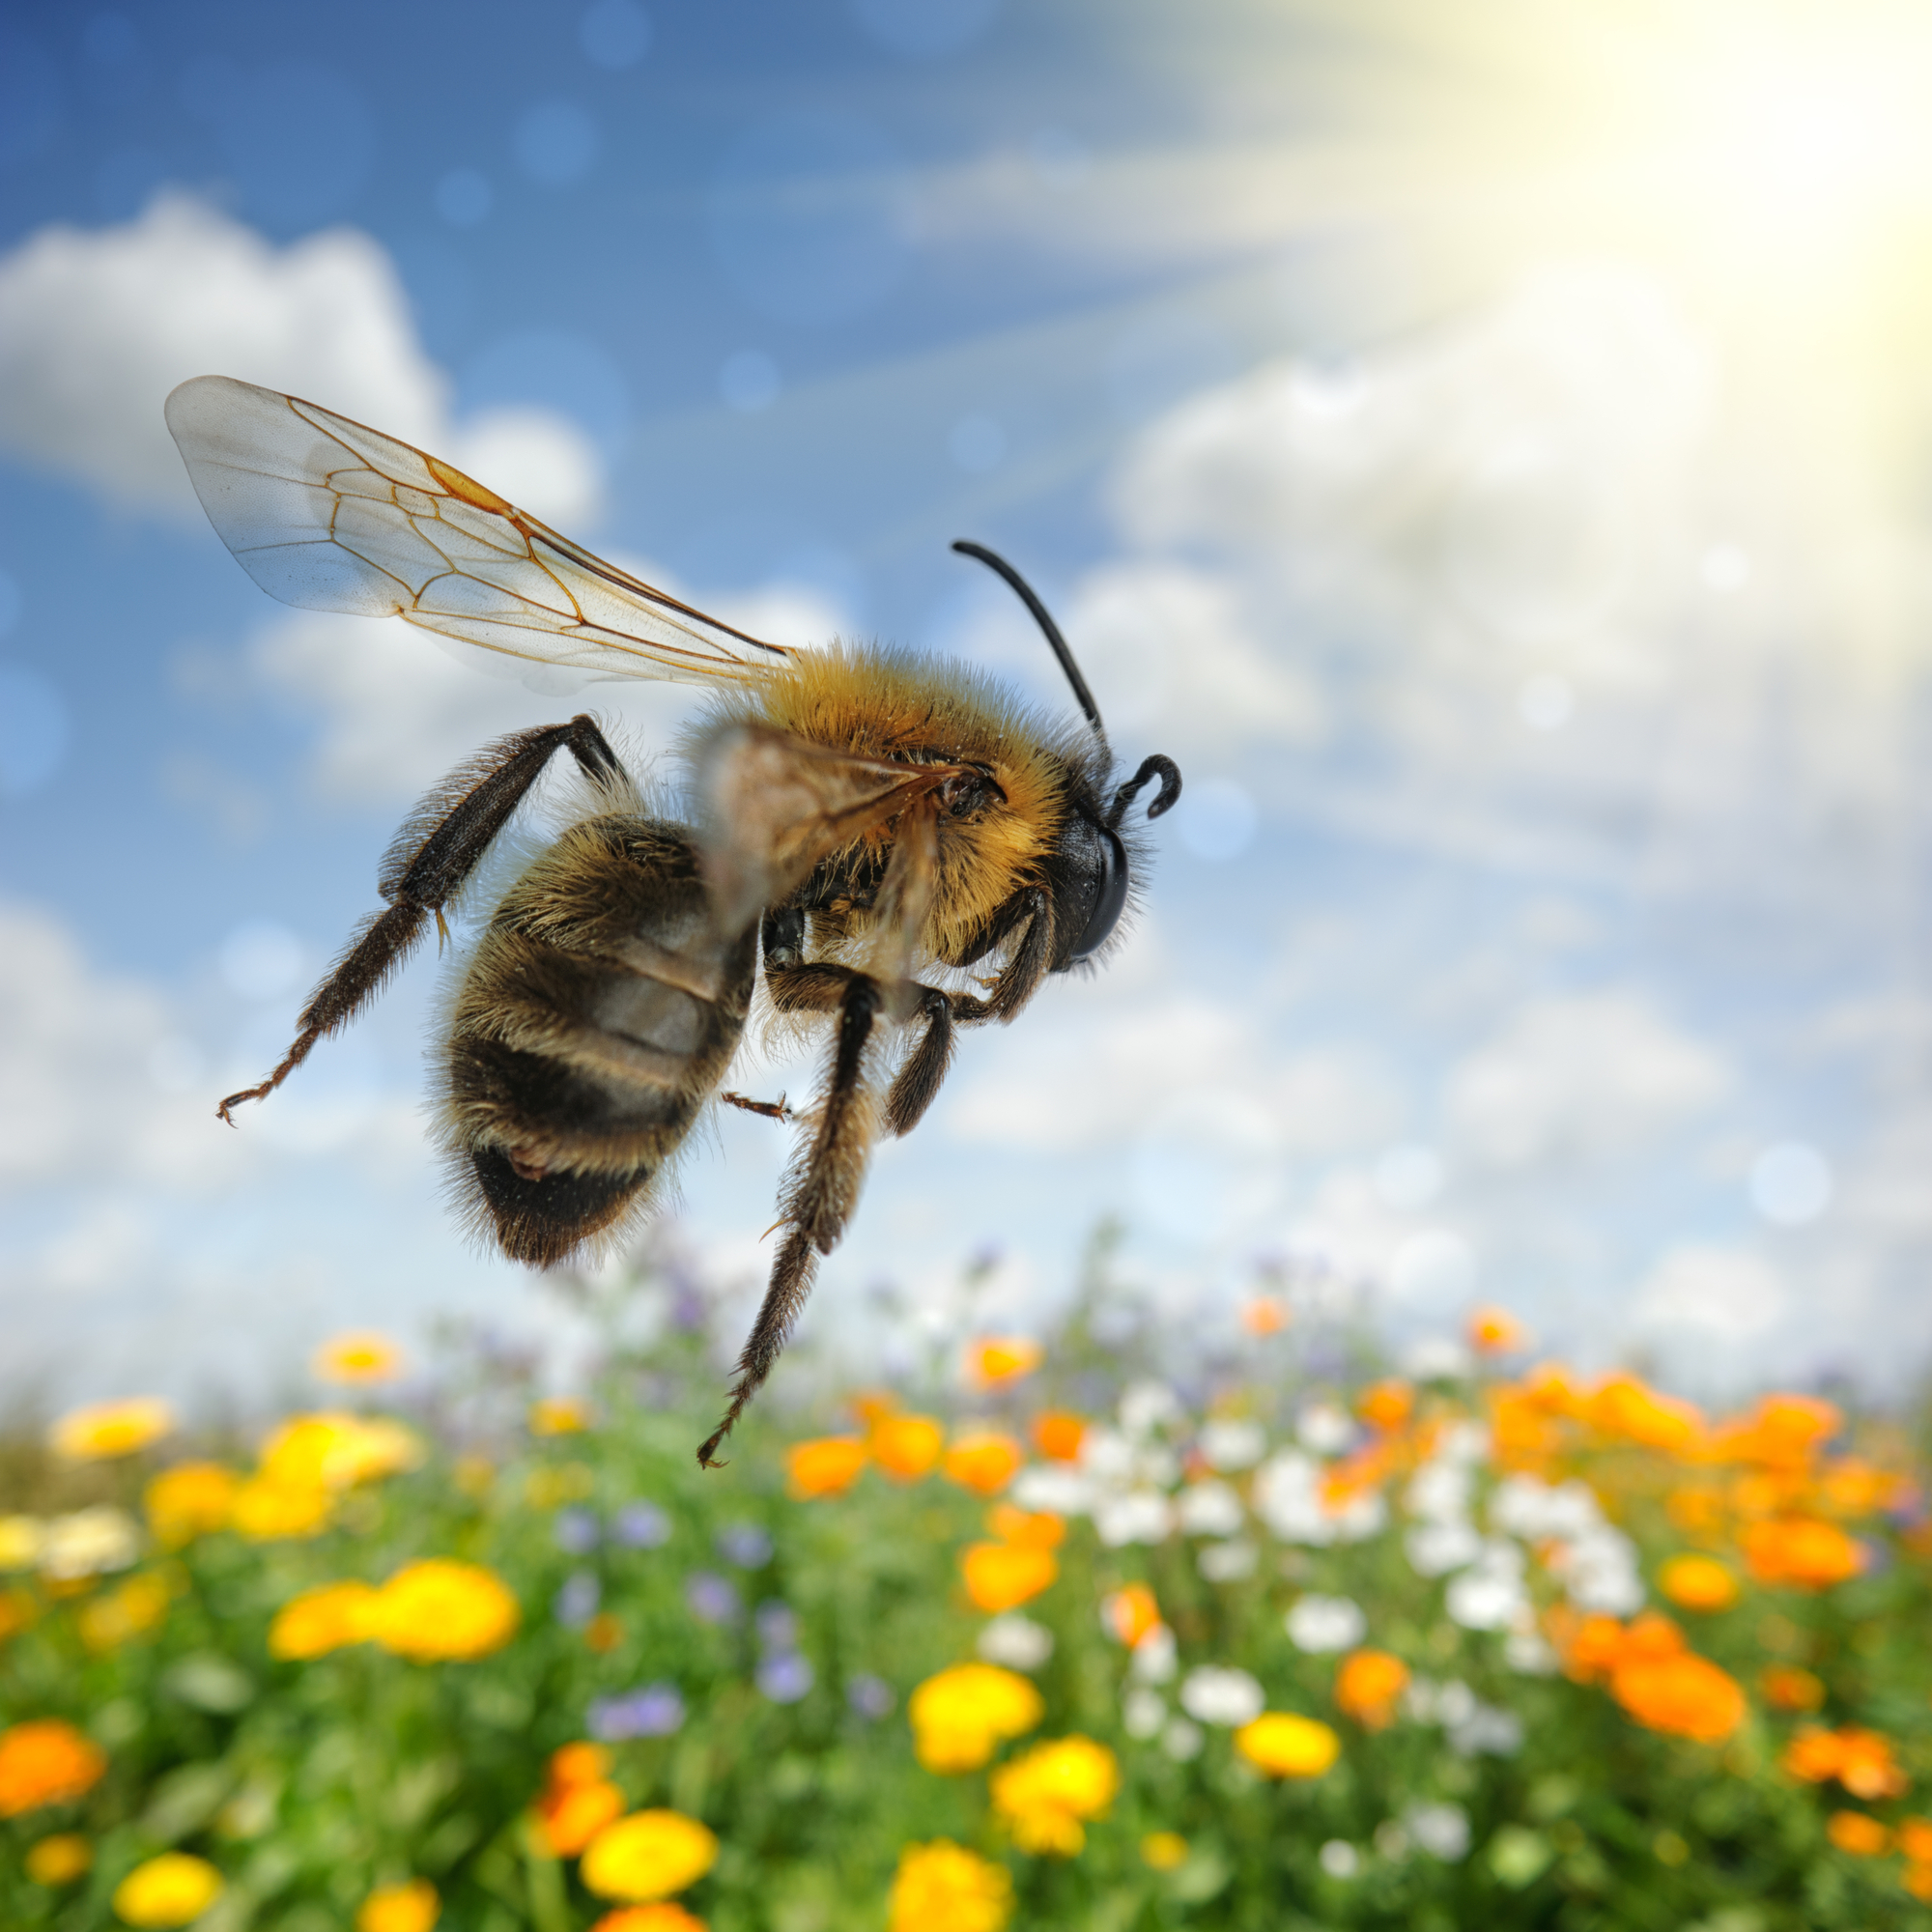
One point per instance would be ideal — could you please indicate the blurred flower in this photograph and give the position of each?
(1143, 1712)
(46, 1761)
(576, 1601)
(1326, 1428)
(1163, 1850)
(1801, 1553)
(997, 1359)
(266, 1511)
(748, 1545)
(581, 1763)
(475, 1475)
(1032, 1529)
(1227, 1562)
(1002, 1576)
(103, 1430)
(336, 1450)
(785, 1677)
(647, 1855)
(1286, 1746)
(1321, 1624)
(713, 1599)
(560, 1483)
(87, 1542)
(983, 1461)
(322, 1620)
(1914, 1838)
(436, 1611)
(907, 1447)
(410, 1907)
(1156, 1657)
(571, 1812)
(1435, 1548)
(1133, 1516)
(1209, 1508)
(870, 1697)
(1146, 1406)
(1339, 1859)
(1056, 1433)
(20, 1539)
(1386, 1405)
(1684, 1695)
(1015, 1641)
(826, 1466)
(1265, 1315)
(171, 1889)
(1861, 1760)
(189, 1501)
(1129, 1613)
(1788, 1688)
(1443, 1831)
(357, 1357)
(17, 1610)
(1698, 1584)
(1045, 1794)
(941, 1887)
(59, 1859)
(1288, 1497)
(577, 1531)
(961, 1715)
(1233, 1443)
(640, 1526)
(1368, 1686)
(1622, 1406)
(663, 1915)
(110, 1619)
(1495, 1332)
(1859, 1834)
(776, 1624)
(654, 1711)
(1220, 1695)
(1489, 1594)
(1182, 1739)
(559, 1415)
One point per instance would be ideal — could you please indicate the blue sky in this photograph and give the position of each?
(1442, 453)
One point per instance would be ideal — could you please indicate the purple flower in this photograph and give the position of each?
(577, 1530)
(777, 1626)
(576, 1602)
(713, 1599)
(868, 1695)
(784, 1678)
(744, 1544)
(641, 1526)
(654, 1711)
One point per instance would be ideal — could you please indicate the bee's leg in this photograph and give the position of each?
(440, 845)
(819, 1195)
(1020, 977)
(923, 1073)
(770, 1110)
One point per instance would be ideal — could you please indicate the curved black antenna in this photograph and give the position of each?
(1160, 766)
(994, 561)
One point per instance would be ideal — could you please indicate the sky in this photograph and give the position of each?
(1485, 447)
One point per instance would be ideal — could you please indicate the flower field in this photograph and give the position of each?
(1278, 1641)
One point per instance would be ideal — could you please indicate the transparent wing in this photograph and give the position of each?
(326, 514)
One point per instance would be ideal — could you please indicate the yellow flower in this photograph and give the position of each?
(1163, 1850)
(944, 1888)
(1698, 1584)
(410, 1907)
(334, 1450)
(189, 1501)
(59, 1859)
(20, 1540)
(46, 1761)
(265, 1510)
(357, 1356)
(1001, 1575)
(138, 1606)
(662, 1916)
(106, 1429)
(1045, 1794)
(995, 1359)
(962, 1715)
(322, 1620)
(1858, 1832)
(647, 1855)
(1495, 1332)
(440, 1609)
(17, 1610)
(1285, 1746)
(559, 1415)
(168, 1890)
(827, 1466)
(983, 1461)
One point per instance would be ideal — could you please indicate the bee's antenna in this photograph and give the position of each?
(994, 561)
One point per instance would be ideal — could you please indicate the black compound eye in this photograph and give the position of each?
(1110, 896)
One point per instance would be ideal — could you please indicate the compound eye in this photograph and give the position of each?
(1109, 900)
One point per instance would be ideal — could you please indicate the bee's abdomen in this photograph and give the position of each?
(599, 1013)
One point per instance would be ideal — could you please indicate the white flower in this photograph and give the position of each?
(1016, 1641)
(89, 1542)
(1210, 1509)
(1233, 1444)
(1443, 1831)
(1156, 1657)
(1435, 1548)
(1525, 1650)
(1146, 1406)
(1464, 1442)
(1219, 1694)
(1486, 1728)
(1053, 1485)
(1227, 1562)
(1319, 1624)
(1143, 1712)
(1438, 1492)
(1288, 1497)
(1324, 1428)
(1599, 1572)
(1182, 1739)
(1534, 1512)
(1360, 1518)
(1391, 1841)
(1489, 1594)
(1134, 1516)
(1106, 1456)
(1436, 1360)
(1340, 1858)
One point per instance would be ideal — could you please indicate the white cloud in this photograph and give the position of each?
(1713, 1293)
(1580, 1077)
(97, 324)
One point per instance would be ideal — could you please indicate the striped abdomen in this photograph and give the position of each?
(599, 1013)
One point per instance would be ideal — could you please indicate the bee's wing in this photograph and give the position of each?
(324, 513)
(772, 805)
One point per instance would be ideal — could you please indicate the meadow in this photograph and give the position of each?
(1100, 1628)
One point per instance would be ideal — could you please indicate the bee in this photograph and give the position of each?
(893, 845)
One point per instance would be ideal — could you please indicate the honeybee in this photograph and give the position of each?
(896, 846)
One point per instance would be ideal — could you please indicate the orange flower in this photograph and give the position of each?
(1368, 1685)
(1801, 1552)
(1265, 1315)
(568, 1816)
(907, 1447)
(1697, 1509)
(665, 1916)
(1495, 1332)
(1684, 1695)
(1386, 1405)
(1698, 1584)
(1623, 1407)
(45, 1761)
(59, 1860)
(1861, 1760)
(189, 1501)
(1131, 1612)
(1787, 1687)
(1033, 1529)
(1854, 1832)
(983, 1461)
(828, 1465)
(997, 1359)
(1002, 1576)
(1589, 1648)
(1784, 1431)
(1914, 1839)
(410, 1907)
(1058, 1433)
(1916, 1879)
(603, 1632)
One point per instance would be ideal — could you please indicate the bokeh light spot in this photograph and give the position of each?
(464, 197)
(555, 142)
(615, 34)
(925, 29)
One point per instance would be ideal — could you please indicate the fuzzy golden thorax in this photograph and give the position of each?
(882, 703)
